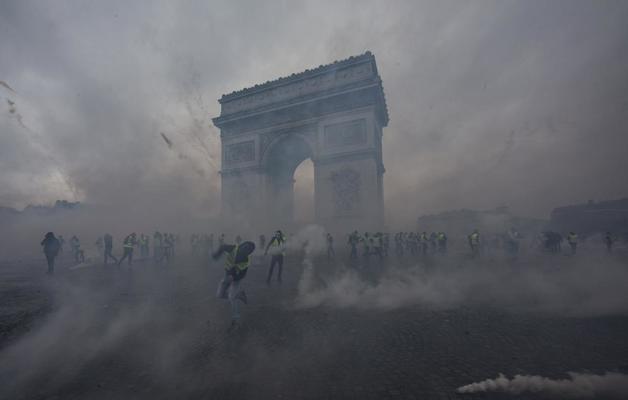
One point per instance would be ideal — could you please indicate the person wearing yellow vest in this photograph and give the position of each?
(572, 239)
(424, 240)
(442, 242)
(276, 247)
(474, 242)
(129, 243)
(236, 265)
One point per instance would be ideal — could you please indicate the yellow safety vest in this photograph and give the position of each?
(128, 242)
(274, 242)
(231, 256)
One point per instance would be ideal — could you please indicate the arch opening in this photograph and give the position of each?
(304, 193)
(284, 158)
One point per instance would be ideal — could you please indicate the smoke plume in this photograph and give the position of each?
(578, 385)
(562, 285)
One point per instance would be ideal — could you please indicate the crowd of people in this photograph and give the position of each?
(163, 246)
(238, 254)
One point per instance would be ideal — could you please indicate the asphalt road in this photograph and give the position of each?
(157, 332)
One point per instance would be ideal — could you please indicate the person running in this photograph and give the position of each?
(108, 248)
(236, 267)
(129, 243)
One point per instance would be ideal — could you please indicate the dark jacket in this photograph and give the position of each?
(51, 245)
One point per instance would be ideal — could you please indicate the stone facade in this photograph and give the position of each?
(333, 114)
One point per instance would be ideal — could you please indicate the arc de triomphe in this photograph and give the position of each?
(333, 114)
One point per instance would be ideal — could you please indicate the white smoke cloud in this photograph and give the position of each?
(570, 287)
(578, 385)
(310, 240)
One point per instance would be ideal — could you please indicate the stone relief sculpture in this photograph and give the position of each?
(346, 191)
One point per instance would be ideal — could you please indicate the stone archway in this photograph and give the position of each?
(333, 114)
(279, 162)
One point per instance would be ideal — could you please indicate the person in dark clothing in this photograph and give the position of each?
(236, 267)
(109, 248)
(608, 241)
(330, 246)
(51, 248)
(354, 239)
(61, 243)
(276, 246)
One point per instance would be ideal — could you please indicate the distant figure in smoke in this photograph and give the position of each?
(168, 246)
(238, 239)
(425, 240)
(75, 245)
(433, 240)
(236, 266)
(512, 241)
(572, 239)
(330, 246)
(442, 243)
(366, 246)
(354, 239)
(608, 241)
(386, 244)
(551, 241)
(129, 243)
(194, 243)
(109, 248)
(474, 243)
(143, 242)
(157, 246)
(262, 241)
(399, 241)
(51, 248)
(378, 245)
(61, 243)
(276, 247)
(99, 244)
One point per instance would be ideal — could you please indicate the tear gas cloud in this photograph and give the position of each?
(577, 386)
(589, 285)
(491, 103)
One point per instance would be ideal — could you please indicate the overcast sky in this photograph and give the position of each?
(520, 103)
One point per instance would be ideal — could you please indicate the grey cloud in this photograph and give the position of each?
(517, 103)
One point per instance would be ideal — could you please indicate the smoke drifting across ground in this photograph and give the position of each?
(98, 315)
(611, 384)
(575, 286)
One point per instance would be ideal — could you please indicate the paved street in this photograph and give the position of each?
(158, 332)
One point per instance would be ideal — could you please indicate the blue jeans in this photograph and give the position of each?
(229, 289)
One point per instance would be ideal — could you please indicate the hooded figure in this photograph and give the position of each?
(51, 247)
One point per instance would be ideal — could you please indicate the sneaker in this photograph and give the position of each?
(242, 296)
